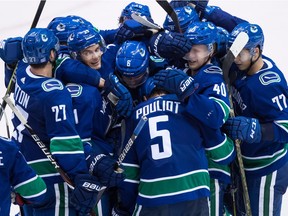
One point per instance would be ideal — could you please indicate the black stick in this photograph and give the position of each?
(12, 81)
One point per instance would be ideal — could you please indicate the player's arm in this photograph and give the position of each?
(25, 181)
(65, 143)
(73, 71)
(210, 104)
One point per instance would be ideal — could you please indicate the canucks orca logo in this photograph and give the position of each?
(269, 77)
(74, 89)
(52, 84)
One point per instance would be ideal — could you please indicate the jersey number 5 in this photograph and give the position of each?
(166, 150)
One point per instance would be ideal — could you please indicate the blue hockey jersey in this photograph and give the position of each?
(47, 106)
(17, 175)
(167, 162)
(263, 96)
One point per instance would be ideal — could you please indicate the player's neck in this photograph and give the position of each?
(45, 71)
(256, 67)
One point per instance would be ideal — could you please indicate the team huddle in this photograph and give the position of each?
(141, 121)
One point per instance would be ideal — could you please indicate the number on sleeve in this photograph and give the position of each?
(60, 112)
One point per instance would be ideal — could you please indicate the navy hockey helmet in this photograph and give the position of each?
(134, 7)
(222, 40)
(62, 27)
(202, 33)
(80, 20)
(254, 31)
(132, 61)
(84, 37)
(37, 45)
(186, 15)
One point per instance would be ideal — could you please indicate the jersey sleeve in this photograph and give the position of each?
(210, 104)
(24, 179)
(65, 143)
(73, 71)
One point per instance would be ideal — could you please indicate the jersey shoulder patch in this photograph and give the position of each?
(269, 77)
(74, 89)
(213, 70)
(52, 84)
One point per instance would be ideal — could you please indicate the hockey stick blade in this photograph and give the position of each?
(170, 11)
(238, 44)
(143, 20)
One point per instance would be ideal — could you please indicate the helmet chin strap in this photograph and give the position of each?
(253, 62)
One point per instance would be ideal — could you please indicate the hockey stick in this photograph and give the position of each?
(170, 11)
(127, 147)
(238, 44)
(143, 20)
(11, 84)
(36, 138)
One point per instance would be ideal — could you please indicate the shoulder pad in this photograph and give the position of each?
(269, 77)
(52, 84)
(213, 69)
(74, 89)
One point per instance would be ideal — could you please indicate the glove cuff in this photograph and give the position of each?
(93, 163)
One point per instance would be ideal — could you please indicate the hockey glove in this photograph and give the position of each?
(11, 51)
(200, 6)
(104, 167)
(118, 95)
(84, 197)
(242, 128)
(178, 3)
(131, 29)
(175, 82)
(169, 45)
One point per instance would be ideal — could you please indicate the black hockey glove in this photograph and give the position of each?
(84, 197)
(131, 29)
(118, 95)
(105, 168)
(175, 82)
(169, 45)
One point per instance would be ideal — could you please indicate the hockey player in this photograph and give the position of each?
(166, 173)
(47, 106)
(85, 44)
(15, 173)
(209, 104)
(260, 95)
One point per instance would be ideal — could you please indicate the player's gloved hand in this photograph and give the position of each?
(17, 199)
(169, 45)
(175, 81)
(200, 6)
(178, 3)
(104, 167)
(84, 197)
(242, 128)
(118, 95)
(116, 211)
(11, 51)
(131, 29)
